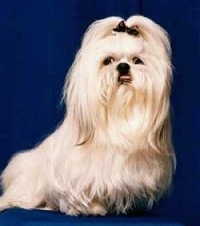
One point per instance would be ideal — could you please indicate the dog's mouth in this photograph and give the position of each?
(125, 78)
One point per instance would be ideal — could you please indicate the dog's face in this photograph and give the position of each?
(119, 78)
(123, 64)
(123, 59)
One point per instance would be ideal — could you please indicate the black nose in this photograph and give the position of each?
(123, 68)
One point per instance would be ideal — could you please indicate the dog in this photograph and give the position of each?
(112, 152)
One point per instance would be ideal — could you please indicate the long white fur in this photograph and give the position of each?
(113, 151)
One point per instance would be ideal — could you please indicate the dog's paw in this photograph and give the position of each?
(97, 209)
(4, 204)
(94, 209)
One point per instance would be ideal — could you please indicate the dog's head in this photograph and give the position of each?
(120, 79)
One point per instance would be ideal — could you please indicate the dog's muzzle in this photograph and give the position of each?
(124, 73)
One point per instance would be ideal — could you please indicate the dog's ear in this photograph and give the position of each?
(81, 96)
(75, 98)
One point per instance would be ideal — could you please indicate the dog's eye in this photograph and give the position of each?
(137, 60)
(108, 60)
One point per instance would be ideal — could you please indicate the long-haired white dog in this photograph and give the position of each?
(113, 151)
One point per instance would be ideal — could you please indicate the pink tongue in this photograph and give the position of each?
(125, 78)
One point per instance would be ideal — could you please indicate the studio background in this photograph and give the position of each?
(38, 42)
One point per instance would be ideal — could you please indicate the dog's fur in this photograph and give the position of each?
(113, 151)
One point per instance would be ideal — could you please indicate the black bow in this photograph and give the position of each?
(121, 27)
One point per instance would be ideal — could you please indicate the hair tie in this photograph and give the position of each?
(121, 27)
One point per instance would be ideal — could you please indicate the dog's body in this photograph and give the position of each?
(113, 150)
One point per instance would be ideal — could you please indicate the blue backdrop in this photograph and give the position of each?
(38, 41)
